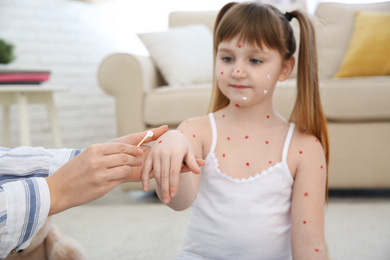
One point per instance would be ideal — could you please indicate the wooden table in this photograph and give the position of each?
(22, 96)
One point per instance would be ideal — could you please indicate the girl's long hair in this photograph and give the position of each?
(262, 24)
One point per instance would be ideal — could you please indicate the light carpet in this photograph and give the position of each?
(136, 226)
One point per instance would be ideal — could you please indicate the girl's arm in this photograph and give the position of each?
(186, 192)
(308, 200)
(166, 160)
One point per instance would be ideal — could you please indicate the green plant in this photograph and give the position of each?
(6, 52)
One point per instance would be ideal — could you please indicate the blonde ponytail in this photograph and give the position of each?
(308, 114)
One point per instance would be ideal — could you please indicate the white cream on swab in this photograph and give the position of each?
(148, 134)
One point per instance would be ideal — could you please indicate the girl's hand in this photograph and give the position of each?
(171, 154)
(134, 139)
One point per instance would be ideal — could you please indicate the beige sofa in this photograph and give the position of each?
(357, 109)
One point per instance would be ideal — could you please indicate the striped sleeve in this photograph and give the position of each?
(3, 216)
(27, 207)
(24, 193)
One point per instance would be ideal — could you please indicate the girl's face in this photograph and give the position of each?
(247, 74)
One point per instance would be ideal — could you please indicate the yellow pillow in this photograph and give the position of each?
(368, 53)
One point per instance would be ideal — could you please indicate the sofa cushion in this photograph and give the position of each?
(184, 55)
(172, 105)
(369, 50)
(335, 27)
(356, 99)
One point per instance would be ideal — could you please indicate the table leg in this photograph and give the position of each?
(6, 126)
(55, 128)
(25, 139)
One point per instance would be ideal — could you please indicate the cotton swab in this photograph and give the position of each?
(148, 134)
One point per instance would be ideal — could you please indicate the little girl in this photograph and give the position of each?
(262, 192)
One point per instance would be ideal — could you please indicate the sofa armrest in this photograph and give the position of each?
(127, 78)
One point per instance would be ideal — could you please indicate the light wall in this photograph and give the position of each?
(52, 35)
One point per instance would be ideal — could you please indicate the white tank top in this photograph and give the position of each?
(241, 218)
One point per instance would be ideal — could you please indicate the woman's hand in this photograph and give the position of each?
(134, 139)
(97, 170)
(171, 154)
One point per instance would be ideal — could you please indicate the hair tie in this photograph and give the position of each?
(289, 16)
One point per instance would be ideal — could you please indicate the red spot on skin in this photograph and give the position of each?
(187, 121)
(221, 72)
(247, 164)
(247, 136)
(317, 140)
(316, 250)
(159, 142)
(193, 135)
(270, 161)
(266, 142)
(228, 138)
(223, 155)
(267, 116)
(238, 71)
(237, 105)
(223, 115)
(322, 167)
(300, 152)
(239, 46)
(306, 194)
(304, 222)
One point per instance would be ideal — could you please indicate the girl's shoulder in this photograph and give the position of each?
(306, 151)
(195, 123)
(303, 141)
(197, 128)
(198, 132)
